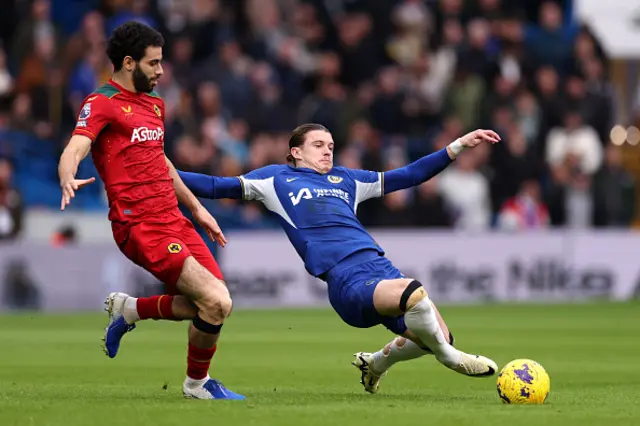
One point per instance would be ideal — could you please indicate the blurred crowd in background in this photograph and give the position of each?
(393, 79)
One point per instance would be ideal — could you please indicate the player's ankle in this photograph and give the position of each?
(450, 359)
(376, 366)
(130, 310)
(192, 383)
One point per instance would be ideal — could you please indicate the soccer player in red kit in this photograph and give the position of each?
(122, 125)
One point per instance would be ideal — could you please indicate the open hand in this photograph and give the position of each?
(475, 138)
(210, 225)
(70, 187)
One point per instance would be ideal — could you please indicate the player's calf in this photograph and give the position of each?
(163, 307)
(399, 349)
(214, 305)
(420, 317)
(203, 336)
(421, 320)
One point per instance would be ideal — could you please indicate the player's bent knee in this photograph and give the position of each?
(412, 295)
(217, 306)
(226, 305)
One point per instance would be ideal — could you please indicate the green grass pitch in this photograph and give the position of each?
(294, 367)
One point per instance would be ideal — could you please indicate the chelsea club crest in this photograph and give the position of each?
(334, 179)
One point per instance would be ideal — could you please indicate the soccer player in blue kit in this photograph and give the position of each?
(316, 204)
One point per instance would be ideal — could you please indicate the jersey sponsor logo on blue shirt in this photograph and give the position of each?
(306, 194)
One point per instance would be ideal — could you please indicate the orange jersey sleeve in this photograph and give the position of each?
(95, 114)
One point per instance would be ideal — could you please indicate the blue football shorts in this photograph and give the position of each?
(351, 285)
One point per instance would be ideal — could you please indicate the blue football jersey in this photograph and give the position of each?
(317, 211)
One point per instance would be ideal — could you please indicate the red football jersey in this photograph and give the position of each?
(127, 130)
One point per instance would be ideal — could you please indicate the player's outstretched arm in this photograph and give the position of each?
(212, 187)
(77, 149)
(428, 166)
(200, 214)
(184, 194)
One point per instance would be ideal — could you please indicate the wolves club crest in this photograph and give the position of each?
(174, 248)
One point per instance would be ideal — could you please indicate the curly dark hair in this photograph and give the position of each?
(131, 39)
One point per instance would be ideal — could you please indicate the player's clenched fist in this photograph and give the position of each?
(210, 225)
(69, 188)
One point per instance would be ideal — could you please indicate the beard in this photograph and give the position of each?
(141, 82)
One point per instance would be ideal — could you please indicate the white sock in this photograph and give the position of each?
(409, 350)
(130, 310)
(422, 321)
(194, 383)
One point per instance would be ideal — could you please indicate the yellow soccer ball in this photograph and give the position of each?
(523, 381)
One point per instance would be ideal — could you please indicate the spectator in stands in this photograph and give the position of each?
(134, 10)
(37, 47)
(575, 138)
(594, 108)
(386, 109)
(37, 29)
(11, 212)
(547, 86)
(613, 192)
(525, 211)
(480, 51)
(395, 210)
(465, 94)
(569, 196)
(268, 112)
(442, 64)
(601, 93)
(359, 54)
(502, 96)
(230, 68)
(410, 75)
(513, 162)
(192, 154)
(412, 21)
(91, 72)
(430, 208)
(551, 41)
(6, 79)
(528, 118)
(466, 190)
(234, 142)
(21, 114)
